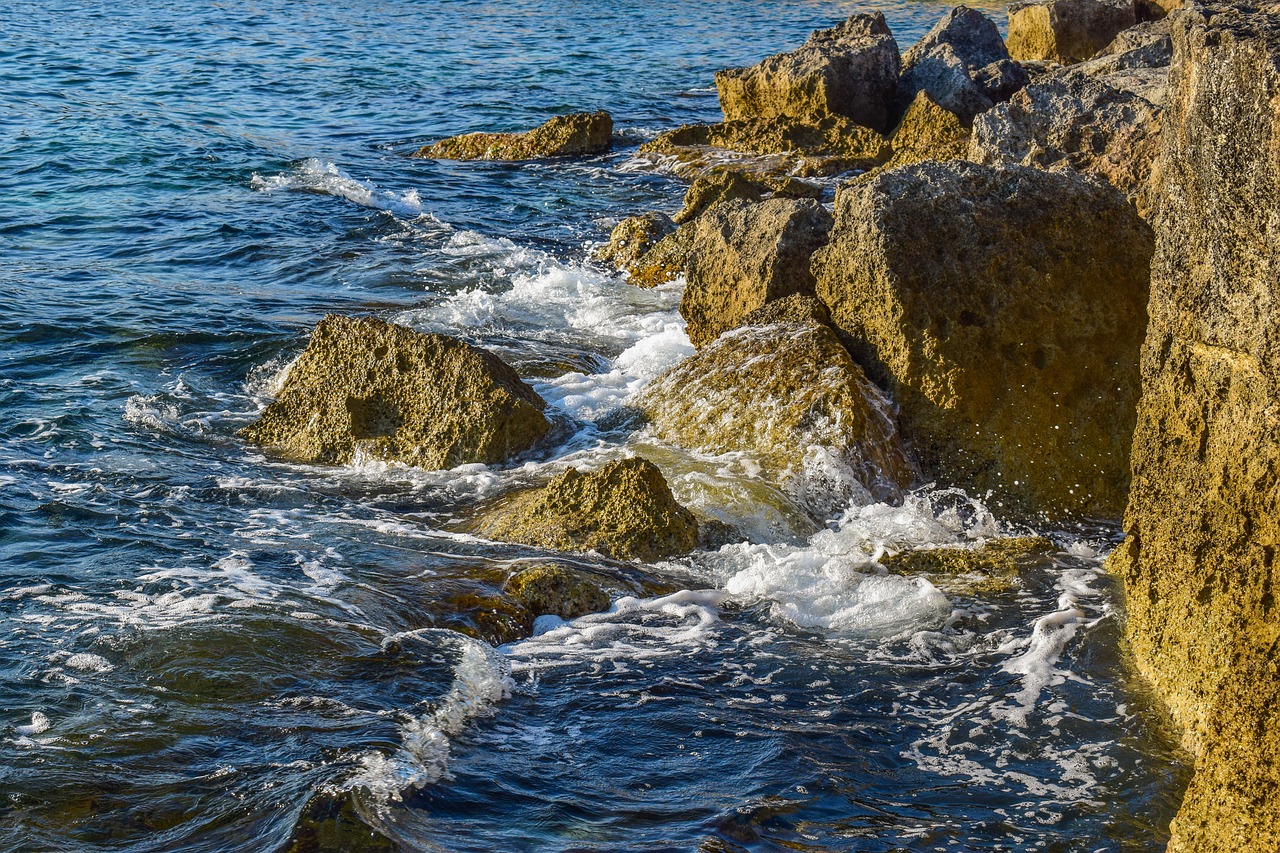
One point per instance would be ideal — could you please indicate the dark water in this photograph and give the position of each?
(206, 650)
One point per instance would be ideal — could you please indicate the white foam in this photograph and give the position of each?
(39, 725)
(86, 662)
(321, 176)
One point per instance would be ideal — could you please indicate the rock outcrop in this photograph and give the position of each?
(724, 185)
(1199, 562)
(747, 254)
(633, 238)
(572, 135)
(963, 64)
(1066, 31)
(849, 70)
(624, 510)
(1003, 309)
(364, 386)
(790, 395)
(927, 132)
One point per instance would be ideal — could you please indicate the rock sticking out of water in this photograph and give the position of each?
(572, 135)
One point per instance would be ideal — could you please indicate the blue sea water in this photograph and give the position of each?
(205, 649)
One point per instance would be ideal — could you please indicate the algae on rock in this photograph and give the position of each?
(572, 135)
(365, 386)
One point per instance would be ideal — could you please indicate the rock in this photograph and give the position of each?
(928, 132)
(745, 255)
(790, 395)
(726, 184)
(796, 308)
(1066, 31)
(632, 238)
(963, 64)
(1148, 45)
(558, 590)
(367, 387)
(1002, 308)
(624, 510)
(1071, 120)
(994, 556)
(1203, 524)
(572, 135)
(849, 70)
(665, 261)
(778, 146)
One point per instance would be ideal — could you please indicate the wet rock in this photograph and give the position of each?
(725, 185)
(849, 70)
(364, 386)
(1066, 31)
(664, 262)
(778, 146)
(572, 135)
(1203, 524)
(1002, 308)
(634, 237)
(745, 255)
(963, 64)
(1071, 120)
(624, 510)
(558, 590)
(928, 132)
(995, 556)
(790, 395)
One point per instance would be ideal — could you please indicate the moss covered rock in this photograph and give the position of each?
(849, 70)
(558, 590)
(791, 396)
(745, 255)
(1200, 561)
(623, 510)
(572, 135)
(1066, 31)
(386, 392)
(1003, 309)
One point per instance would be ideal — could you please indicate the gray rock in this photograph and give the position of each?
(962, 63)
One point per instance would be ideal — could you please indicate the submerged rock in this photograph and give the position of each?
(1066, 31)
(549, 588)
(1203, 524)
(849, 70)
(995, 556)
(624, 510)
(745, 255)
(790, 395)
(1002, 308)
(364, 386)
(572, 135)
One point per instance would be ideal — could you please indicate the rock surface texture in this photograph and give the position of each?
(386, 392)
(849, 70)
(790, 395)
(747, 254)
(633, 238)
(572, 135)
(1066, 31)
(557, 590)
(1203, 524)
(624, 510)
(1003, 308)
(928, 132)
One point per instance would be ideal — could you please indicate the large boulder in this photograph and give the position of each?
(963, 64)
(1071, 120)
(1002, 307)
(928, 131)
(747, 254)
(370, 388)
(572, 135)
(1066, 31)
(1203, 524)
(624, 510)
(849, 70)
(790, 395)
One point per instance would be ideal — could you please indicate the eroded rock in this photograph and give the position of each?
(1002, 308)
(572, 135)
(849, 70)
(368, 387)
(632, 238)
(550, 588)
(928, 132)
(725, 185)
(624, 510)
(745, 255)
(1066, 31)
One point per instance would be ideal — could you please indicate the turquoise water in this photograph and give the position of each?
(204, 649)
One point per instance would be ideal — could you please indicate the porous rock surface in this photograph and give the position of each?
(624, 510)
(1199, 561)
(632, 238)
(389, 393)
(927, 132)
(1003, 309)
(572, 135)
(549, 588)
(725, 184)
(849, 70)
(778, 392)
(746, 254)
(1066, 31)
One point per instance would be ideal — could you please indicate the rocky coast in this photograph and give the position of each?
(1046, 276)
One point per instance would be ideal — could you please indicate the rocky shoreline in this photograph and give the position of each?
(1051, 284)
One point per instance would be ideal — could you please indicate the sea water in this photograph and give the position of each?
(206, 649)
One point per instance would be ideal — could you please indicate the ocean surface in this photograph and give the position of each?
(206, 649)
